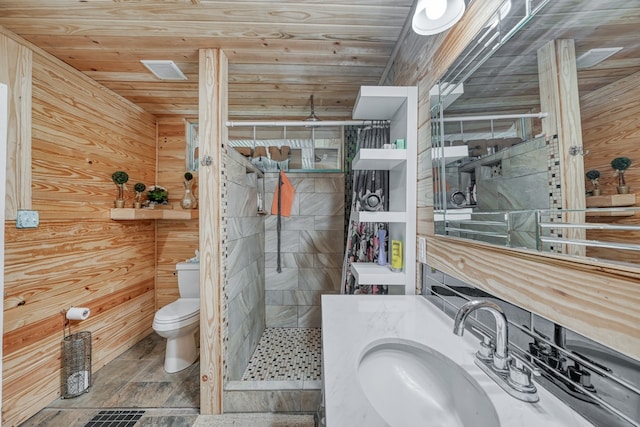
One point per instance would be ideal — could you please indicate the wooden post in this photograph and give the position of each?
(15, 72)
(212, 118)
(559, 97)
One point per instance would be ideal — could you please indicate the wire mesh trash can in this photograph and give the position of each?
(76, 364)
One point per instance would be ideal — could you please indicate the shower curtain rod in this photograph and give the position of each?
(302, 123)
(495, 117)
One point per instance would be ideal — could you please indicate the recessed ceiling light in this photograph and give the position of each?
(164, 70)
(436, 16)
(595, 56)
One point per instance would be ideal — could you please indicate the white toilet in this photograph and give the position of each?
(178, 321)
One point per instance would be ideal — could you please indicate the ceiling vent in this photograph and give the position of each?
(595, 56)
(164, 70)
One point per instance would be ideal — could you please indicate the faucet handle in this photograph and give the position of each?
(520, 371)
(486, 346)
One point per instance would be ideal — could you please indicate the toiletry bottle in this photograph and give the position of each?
(382, 255)
(396, 255)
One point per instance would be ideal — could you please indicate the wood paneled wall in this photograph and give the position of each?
(610, 130)
(595, 300)
(177, 240)
(78, 256)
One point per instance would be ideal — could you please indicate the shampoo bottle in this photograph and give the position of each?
(382, 255)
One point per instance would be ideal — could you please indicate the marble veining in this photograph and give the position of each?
(244, 242)
(312, 240)
(290, 259)
(321, 204)
(351, 323)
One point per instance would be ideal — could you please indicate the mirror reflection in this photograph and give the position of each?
(545, 94)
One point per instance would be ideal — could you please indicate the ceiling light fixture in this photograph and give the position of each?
(164, 70)
(436, 16)
(595, 56)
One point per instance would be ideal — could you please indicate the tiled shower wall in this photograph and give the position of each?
(312, 249)
(244, 290)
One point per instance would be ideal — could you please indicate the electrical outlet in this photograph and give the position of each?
(27, 219)
(422, 250)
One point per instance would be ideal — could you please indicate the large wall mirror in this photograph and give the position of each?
(503, 174)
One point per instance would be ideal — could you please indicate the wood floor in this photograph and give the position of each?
(136, 379)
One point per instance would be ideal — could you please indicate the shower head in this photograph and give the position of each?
(312, 117)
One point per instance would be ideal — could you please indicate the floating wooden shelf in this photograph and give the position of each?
(130, 214)
(611, 201)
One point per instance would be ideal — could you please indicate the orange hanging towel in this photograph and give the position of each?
(288, 193)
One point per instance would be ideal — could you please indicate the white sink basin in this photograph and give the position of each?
(410, 384)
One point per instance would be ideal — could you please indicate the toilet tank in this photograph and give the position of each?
(188, 279)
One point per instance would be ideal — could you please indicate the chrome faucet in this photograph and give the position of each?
(501, 355)
(510, 371)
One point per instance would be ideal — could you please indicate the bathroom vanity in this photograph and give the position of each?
(395, 361)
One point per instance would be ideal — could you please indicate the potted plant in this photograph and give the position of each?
(189, 200)
(621, 164)
(593, 175)
(120, 178)
(139, 187)
(157, 195)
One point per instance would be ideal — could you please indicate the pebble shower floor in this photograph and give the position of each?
(286, 354)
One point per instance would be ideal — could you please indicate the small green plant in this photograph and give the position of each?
(188, 176)
(593, 175)
(158, 195)
(120, 178)
(621, 164)
(139, 188)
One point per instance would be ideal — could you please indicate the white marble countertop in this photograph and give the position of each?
(350, 322)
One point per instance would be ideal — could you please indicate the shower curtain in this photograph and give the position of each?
(369, 192)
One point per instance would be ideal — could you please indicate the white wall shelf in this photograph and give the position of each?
(381, 102)
(367, 273)
(365, 216)
(398, 105)
(378, 159)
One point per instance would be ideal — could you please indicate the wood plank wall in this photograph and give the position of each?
(612, 290)
(610, 129)
(77, 256)
(177, 240)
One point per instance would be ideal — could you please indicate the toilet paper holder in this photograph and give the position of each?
(76, 360)
(73, 313)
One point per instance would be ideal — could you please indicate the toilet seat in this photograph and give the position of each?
(180, 313)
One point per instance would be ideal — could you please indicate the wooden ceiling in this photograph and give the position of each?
(280, 52)
(283, 51)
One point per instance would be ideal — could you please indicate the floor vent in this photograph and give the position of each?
(111, 418)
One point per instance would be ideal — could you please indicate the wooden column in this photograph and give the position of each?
(15, 72)
(4, 115)
(559, 98)
(212, 123)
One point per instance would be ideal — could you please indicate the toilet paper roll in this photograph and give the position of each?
(78, 382)
(78, 313)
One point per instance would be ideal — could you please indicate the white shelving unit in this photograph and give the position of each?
(399, 105)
